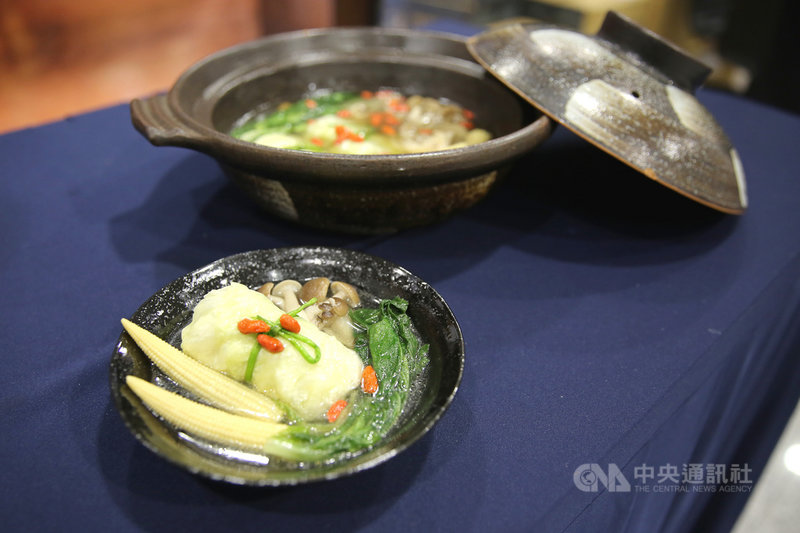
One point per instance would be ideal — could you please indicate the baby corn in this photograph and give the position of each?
(203, 421)
(218, 389)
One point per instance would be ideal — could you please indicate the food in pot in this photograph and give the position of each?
(369, 123)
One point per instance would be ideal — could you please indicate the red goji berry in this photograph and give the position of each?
(336, 409)
(369, 380)
(249, 325)
(290, 323)
(390, 119)
(341, 133)
(269, 343)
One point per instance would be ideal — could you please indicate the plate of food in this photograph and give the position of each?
(287, 366)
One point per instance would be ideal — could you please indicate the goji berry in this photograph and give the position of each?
(290, 323)
(369, 380)
(269, 343)
(336, 409)
(249, 325)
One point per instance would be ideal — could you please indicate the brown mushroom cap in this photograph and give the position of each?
(315, 288)
(331, 309)
(266, 288)
(346, 292)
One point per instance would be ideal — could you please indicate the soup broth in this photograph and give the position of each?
(366, 123)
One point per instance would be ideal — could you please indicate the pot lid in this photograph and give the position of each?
(627, 91)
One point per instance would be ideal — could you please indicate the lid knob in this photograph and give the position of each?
(666, 59)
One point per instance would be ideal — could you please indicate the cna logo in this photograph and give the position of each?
(591, 476)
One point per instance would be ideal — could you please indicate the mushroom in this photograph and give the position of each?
(327, 310)
(342, 329)
(330, 313)
(266, 289)
(287, 290)
(346, 292)
(331, 309)
(315, 288)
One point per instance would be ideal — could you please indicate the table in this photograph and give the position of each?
(609, 324)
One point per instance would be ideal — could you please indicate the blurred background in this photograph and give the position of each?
(64, 57)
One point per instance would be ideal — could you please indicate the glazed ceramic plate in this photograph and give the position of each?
(170, 309)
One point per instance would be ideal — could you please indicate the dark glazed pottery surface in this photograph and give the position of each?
(169, 310)
(629, 93)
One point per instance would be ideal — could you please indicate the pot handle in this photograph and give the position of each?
(154, 118)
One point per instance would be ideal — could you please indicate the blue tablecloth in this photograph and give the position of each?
(609, 323)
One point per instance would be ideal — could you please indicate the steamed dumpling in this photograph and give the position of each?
(213, 338)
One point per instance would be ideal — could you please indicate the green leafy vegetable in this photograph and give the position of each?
(393, 313)
(293, 118)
